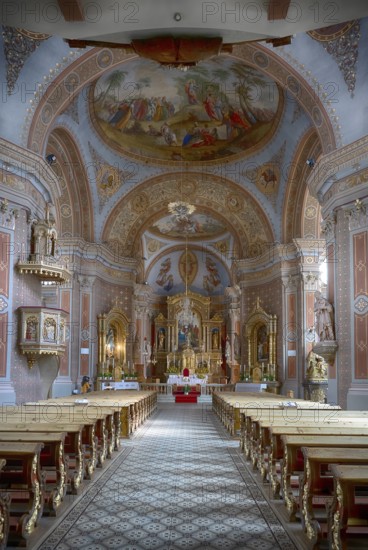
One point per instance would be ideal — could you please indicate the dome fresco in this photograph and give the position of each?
(201, 226)
(218, 110)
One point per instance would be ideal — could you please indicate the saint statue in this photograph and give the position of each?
(215, 339)
(317, 367)
(236, 345)
(161, 339)
(323, 312)
(147, 350)
(110, 342)
(227, 348)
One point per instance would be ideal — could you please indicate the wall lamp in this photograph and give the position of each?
(50, 159)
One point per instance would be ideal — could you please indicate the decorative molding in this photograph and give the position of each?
(328, 227)
(344, 50)
(86, 281)
(18, 46)
(323, 181)
(7, 215)
(357, 215)
(310, 280)
(18, 162)
(3, 304)
(291, 281)
(125, 224)
(361, 304)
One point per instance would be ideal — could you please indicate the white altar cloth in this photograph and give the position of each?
(193, 380)
(120, 385)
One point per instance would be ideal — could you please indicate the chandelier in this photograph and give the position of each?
(181, 209)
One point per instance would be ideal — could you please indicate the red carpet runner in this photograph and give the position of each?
(185, 398)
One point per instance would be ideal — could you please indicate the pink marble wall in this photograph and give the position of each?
(26, 292)
(360, 254)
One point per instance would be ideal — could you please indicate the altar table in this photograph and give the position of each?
(120, 385)
(192, 380)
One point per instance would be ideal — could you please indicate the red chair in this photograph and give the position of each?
(185, 372)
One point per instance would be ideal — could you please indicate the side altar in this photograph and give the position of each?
(188, 340)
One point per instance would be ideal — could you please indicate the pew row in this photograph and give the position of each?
(53, 464)
(73, 437)
(316, 482)
(348, 510)
(229, 406)
(273, 440)
(132, 407)
(21, 478)
(260, 441)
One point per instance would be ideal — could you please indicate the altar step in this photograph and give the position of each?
(163, 398)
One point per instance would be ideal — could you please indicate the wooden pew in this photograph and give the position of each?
(348, 513)
(227, 406)
(104, 429)
(313, 484)
(255, 437)
(260, 434)
(131, 408)
(79, 467)
(53, 464)
(21, 478)
(4, 512)
(94, 439)
(274, 412)
(280, 478)
(293, 461)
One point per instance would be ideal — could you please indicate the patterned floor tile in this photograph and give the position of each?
(178, 483)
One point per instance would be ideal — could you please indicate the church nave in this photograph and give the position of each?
(179, 482)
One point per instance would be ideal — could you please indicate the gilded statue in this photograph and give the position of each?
(316, 367)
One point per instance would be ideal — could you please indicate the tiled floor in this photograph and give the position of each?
(179, 483)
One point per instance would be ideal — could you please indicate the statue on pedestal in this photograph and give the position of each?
(316, 367)
(324, 320)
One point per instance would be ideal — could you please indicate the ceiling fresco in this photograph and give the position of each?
(218, 110)
(201, 226)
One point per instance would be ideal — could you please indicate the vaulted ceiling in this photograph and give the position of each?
(229, 136)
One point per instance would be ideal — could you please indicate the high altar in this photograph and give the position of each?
(188, 340)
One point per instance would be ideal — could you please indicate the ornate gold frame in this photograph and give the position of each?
(261, 364)
(118, 322)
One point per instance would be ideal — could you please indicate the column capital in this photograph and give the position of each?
(357, 215)
(86, 281)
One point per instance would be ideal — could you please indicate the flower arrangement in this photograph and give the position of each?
(132, 375)
(105, 375)
(201, 369)
(173, 369)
